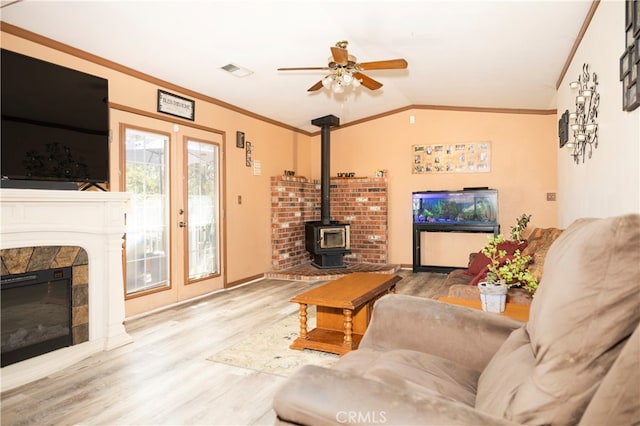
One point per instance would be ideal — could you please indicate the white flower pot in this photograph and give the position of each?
(493, 296)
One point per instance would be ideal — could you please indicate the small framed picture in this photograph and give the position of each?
(563, 128)
(624, 65)
(633, 99)
(629, 12)
(239, 139)
(636, 18)
(248, 154)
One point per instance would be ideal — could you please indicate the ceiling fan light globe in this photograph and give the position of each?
(356, 83)
(327, 81)
(338, 88)
(347, 78)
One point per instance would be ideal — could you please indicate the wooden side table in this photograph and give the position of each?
(511, 310)
(343, 311)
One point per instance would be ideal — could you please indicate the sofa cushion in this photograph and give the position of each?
(509, 367)
(587, 304)
(617, 400)
(480, 261)
(538, 243)
(414, 372)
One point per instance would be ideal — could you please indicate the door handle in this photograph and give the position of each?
(182, 224)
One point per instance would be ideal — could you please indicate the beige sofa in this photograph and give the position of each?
(426, 362)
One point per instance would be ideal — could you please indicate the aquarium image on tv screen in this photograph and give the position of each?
(466, 207)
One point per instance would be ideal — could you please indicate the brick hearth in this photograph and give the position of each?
(361, 202)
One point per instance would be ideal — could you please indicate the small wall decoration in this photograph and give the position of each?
(473, 157)
(175, 105)
(630, 59)
(582, 121)
(247, 153)
(563, 128)
(239, 139)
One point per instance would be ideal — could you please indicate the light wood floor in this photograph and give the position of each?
(164, 376)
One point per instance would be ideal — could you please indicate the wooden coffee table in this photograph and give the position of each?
(343, 311)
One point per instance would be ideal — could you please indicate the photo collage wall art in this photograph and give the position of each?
(472, 157)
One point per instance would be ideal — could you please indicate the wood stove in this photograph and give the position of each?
(327, 240)
(327, 243)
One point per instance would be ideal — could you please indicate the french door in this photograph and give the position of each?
(174, 231)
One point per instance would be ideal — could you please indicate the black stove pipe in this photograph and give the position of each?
(325, 123)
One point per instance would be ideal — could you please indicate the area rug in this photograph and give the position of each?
(268, 350)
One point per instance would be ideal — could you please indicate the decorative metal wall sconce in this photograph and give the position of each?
(582, 122)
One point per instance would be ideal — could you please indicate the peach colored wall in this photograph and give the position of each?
(523, 166)
(607, 184)
(248, 230)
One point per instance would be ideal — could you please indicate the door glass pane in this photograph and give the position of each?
(202, 192)
(147, 239)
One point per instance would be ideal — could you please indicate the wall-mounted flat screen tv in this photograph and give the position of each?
(55, 123)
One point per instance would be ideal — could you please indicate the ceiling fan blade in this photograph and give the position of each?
(384, 65)
(303, 68)
(367, 81)
(315, 87)
(340, 55)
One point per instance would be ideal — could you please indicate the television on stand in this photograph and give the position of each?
(55, 125)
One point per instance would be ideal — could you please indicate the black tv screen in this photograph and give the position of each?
(55, 122)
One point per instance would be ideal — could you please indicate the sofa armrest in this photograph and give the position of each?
(463, 335)
(321, 396)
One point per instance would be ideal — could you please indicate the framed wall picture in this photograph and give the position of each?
(467, 157)
(239, 139)
(248, 154)
(624, 65)
(563, 128)
(175, 105)
(636, 17)
(632, 97)
(631, 56)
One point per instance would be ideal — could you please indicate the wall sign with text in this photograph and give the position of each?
(175, 105)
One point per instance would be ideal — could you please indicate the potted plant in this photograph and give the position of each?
(505, 270)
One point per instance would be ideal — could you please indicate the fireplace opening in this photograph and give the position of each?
(35, 310)
(335, 238)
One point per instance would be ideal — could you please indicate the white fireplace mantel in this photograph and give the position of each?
(92, 220)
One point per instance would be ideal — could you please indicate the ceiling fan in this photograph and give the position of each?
(346, 71)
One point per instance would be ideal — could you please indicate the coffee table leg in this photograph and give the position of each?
(348, 326)
(303, 321)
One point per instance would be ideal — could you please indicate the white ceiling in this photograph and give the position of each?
(476, 53)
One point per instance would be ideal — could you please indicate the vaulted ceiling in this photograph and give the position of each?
(462, 53)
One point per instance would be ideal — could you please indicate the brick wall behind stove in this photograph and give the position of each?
(361, 202)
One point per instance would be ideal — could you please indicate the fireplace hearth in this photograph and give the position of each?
(36, 313)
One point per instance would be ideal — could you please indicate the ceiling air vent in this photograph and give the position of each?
(237, 70)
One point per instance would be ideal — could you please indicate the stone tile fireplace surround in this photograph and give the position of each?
(85, 230)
